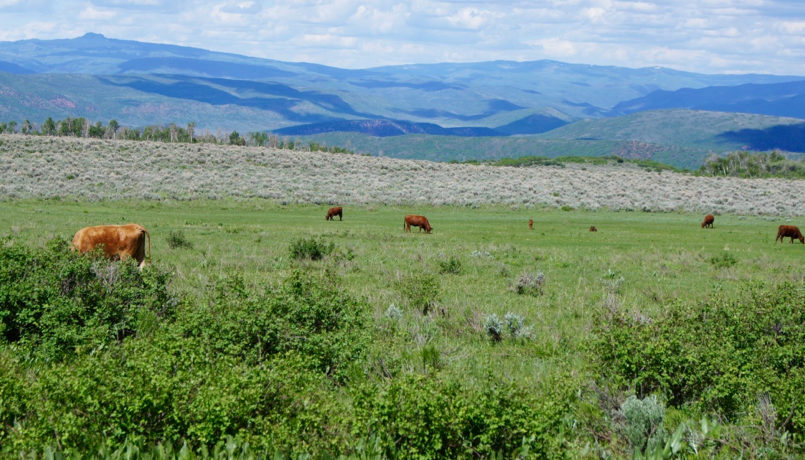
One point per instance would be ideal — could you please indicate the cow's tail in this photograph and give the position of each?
(148, 236)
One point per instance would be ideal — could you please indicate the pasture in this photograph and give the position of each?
(262, 330)
(430, 301)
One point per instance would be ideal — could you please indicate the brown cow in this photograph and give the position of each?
(593, 229)
(416, 221)
(791, 231)
(708, 221)
(117, 241)
(531, 224)
(334, 211)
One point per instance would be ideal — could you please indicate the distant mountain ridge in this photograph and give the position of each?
(779, 99)
(138, 84)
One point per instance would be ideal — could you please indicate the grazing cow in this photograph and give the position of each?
(593, 229)
(791, 231)
(531, 224)
(117, 241)
(335, 211)
(416, 221)
(708, 221)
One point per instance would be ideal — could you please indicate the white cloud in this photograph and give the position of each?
(95, 14)
(469, 18)
(709, 35)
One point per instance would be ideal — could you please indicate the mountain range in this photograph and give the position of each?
(582, 108)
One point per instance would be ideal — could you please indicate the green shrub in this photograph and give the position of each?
(723, 260)
(55, 303)
(306, 315)
(177, 239)
(451, 265)
(310, 248)
(420, 291)
(430, 417)
(264, 366)
(715, 356)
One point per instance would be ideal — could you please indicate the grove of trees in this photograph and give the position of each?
(173, 133)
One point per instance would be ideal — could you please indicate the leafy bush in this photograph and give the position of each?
(177, 239)
(724, 260)
(55, 303)
(451, 265)
(717, 355)
(420, 290)
(430, 417)
(310, 248)
(530, 284)
(306, 315)
(264, 366)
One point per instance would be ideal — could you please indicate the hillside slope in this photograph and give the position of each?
(90, 169)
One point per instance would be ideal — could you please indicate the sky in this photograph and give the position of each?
(705, 36)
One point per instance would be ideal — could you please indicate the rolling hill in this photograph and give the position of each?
(140, 84)
(678, 137)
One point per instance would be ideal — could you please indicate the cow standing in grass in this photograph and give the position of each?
(117, 241)
(708, 221)
(789, 231)
(334, 211)
(531, 224)
(593, 229)
(416, 221)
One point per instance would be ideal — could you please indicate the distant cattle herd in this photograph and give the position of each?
(120, 242)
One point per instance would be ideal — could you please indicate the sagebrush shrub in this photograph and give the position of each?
(530, 284)
(612, 281)
(393, 312)
(516, 326)
(493, 327)
(644, 422)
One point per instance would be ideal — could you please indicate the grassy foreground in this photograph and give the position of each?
(431, 341)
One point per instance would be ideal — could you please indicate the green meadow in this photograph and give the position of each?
(443, 322)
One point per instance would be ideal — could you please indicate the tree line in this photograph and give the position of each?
(745, 164)
(171, 133)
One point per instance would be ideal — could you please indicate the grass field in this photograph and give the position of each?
(660, 255)
(643, 262)
(429, 301)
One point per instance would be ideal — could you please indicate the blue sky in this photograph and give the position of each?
(708, 36)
